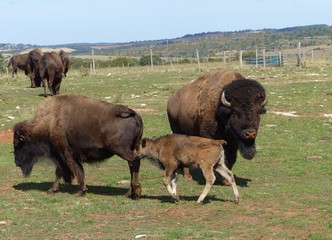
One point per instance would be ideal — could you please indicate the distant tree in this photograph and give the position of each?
(124, 61)
(184, 60)
(146, 60)
(2, 64)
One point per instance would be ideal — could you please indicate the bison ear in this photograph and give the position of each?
(224, 113)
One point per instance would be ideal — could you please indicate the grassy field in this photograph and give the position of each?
(285, 190)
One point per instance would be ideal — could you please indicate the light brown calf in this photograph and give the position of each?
(173, 152)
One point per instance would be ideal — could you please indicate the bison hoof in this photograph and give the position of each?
(81, 193)
(134, 193)
(52, 190)
(175, 198)
(237, 200)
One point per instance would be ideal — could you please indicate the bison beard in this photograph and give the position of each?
(247, 149)
(69, 130)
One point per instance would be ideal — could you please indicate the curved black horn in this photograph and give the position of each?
(224, 101)
(265, 101)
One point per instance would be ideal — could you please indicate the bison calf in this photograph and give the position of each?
(70, 129)
(173, 152)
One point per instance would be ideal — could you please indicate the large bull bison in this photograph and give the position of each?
(33, 67)
(51, 69)
(70, 130)
(65, 61)
(220, 105)
(18, 61)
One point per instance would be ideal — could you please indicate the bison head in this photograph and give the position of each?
(242, 103)
(26, 149)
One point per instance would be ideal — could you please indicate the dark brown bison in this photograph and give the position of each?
(18, 61)
(70, 130)
(220, 105)
(33, 67)
(65, 61)
(51, 69)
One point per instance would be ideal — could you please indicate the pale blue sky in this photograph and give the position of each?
(46, 22)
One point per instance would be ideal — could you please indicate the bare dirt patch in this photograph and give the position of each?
(6, 136)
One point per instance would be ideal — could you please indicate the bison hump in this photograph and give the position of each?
(125, 113)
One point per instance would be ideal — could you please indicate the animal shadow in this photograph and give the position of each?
(199, 178)
(71, 189)
(167, 199)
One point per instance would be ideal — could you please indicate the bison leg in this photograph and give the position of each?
(210, 179)
(186, 173)
(75, 168)
(50, 86)
(33, 84)
(173, 181)
(228, 175)
(135, 189)
(56, 184)
(80, 179)
(168, 178)
(44, 85)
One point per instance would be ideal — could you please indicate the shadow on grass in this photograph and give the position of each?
(71, 189)
(197, 175)
(193, 199)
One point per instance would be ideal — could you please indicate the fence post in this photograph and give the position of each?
(299, 54)
(197, 54)
(151, 58)
(224, 58)
(264, 58)
(93, 70)
(280, 59)
(240, 58)
(256, 57)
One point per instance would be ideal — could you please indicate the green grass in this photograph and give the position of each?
(285, 190)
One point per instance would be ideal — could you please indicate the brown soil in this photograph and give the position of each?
(6, 136)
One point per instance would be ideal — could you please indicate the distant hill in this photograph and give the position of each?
(208, 43)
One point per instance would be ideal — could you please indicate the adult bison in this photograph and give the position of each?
(33, 67)
(51, 69)
(18, 61)
(220, 105)
(65, 61)
(70, 130)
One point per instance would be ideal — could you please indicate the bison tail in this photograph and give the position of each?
(125, 113)
(139, 134)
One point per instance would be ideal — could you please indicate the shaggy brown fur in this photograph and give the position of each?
(51, 69)
(70, 129)
(173, 152)
(33, 67)
(196, 109)
(65, 61)
(18, 61)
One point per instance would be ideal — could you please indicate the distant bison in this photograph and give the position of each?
(18, 61)
(70, 130)
(65, 61)
(220, 105)
(33, 67)
(51, 69)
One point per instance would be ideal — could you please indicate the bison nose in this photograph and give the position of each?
(250, 134)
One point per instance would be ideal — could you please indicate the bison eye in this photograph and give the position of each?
(235, 114)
